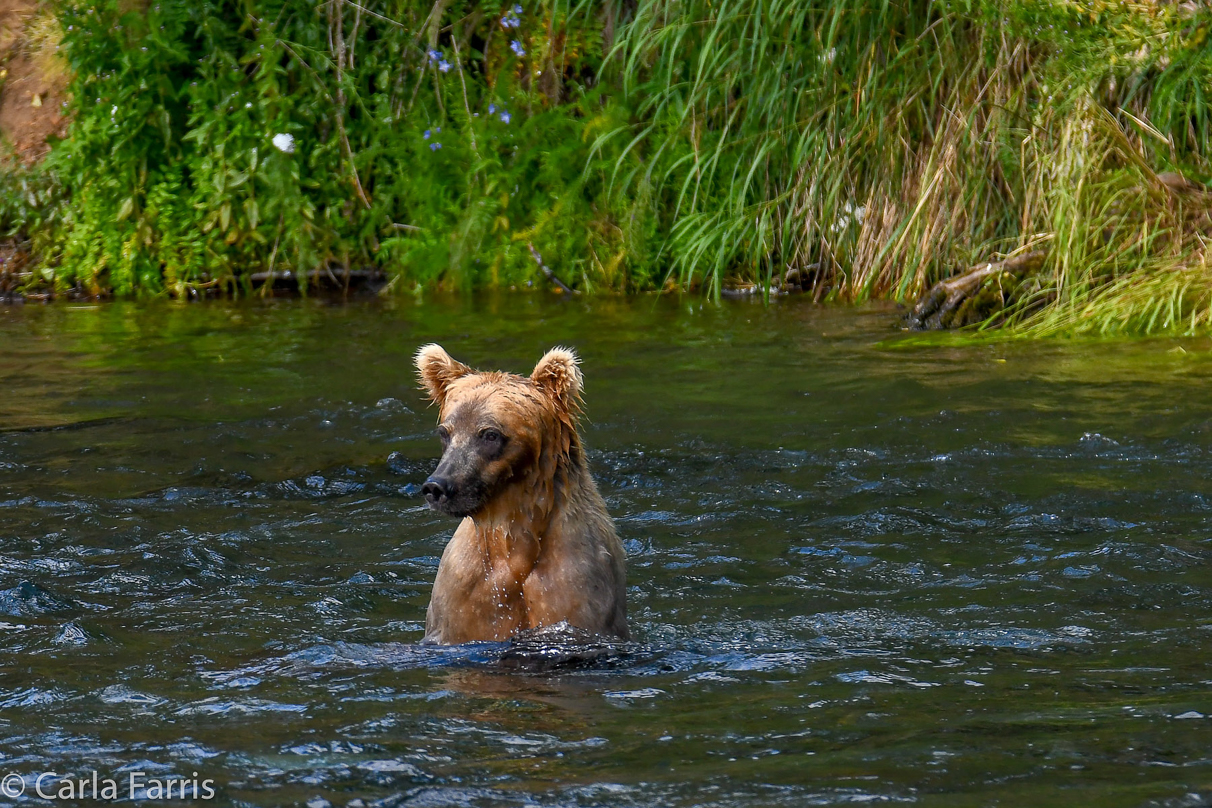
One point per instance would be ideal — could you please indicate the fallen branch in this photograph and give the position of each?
(316, 274)
(551, 276)
(944, 305)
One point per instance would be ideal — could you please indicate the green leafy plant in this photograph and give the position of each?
(212, 141)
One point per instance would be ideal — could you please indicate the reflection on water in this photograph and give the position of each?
(861, 570)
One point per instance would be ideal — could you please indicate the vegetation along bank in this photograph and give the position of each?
(1048, 160)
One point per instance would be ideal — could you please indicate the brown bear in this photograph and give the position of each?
(536, 546)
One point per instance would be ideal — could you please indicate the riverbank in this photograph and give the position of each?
(857, 151)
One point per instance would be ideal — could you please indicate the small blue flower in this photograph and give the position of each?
(435, 146)
(438, 130)
(505, 117)
(516, 47)
(492, 108)
(434, 55)
(444, 65)
(427, 134)
(517, 9)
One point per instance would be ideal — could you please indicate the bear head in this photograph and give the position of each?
(500, 432)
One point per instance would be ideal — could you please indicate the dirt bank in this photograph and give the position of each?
(33, 80)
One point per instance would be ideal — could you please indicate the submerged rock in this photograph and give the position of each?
(27, 598)
(560, 646)
(71, 634)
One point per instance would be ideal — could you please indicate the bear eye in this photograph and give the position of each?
(490, 435)
(444, 434)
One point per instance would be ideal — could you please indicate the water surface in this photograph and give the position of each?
(861, 569)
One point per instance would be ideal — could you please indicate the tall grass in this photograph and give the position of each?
(876, 147)
(884, 146)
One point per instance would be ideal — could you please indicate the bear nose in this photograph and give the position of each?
(435, 490)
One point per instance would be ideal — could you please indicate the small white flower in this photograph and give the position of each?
(284, 143)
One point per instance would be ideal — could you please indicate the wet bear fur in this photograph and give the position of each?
(535, 546)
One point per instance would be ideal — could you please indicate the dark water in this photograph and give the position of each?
(861, 570)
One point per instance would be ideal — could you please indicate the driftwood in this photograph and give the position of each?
(337, 277)
(548, 274)
(954, 303)
(801, 279)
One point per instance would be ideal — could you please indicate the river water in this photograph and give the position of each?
(863, 567)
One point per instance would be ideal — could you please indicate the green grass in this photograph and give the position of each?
(877, 147)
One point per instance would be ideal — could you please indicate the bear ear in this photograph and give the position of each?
(558, 374)
(437, 370)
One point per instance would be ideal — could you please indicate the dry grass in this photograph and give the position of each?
(41, 39)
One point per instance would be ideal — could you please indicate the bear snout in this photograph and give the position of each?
(436, 491)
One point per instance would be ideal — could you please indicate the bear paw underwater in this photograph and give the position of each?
(536, 546)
